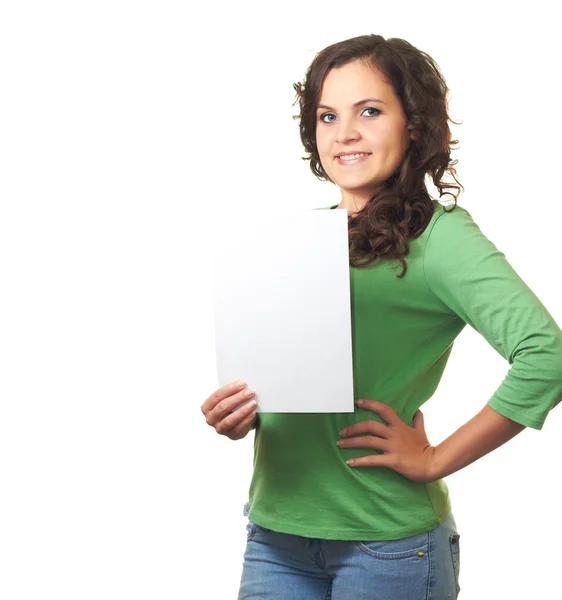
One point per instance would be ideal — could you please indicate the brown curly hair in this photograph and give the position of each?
(403, 206)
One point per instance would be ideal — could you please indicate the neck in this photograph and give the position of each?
(353, 204)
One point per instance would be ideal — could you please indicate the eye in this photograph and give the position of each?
(377, 112)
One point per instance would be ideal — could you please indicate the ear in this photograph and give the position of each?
(414, 133)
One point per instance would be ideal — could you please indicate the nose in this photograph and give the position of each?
(346, 131)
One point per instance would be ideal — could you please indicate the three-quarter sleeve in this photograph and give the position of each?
(471, 278)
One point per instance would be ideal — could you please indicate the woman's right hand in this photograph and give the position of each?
(221, 412)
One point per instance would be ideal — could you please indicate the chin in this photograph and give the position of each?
(358, 185)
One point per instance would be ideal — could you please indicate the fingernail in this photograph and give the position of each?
(239, 384)
(359, 402)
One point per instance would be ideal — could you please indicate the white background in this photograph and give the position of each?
(125, 127)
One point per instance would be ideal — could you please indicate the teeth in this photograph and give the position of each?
(352, 156)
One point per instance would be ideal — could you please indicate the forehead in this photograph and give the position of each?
(345, 85)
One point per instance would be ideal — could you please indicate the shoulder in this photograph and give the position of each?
(455, 241)
(452, 225)
(450, 215)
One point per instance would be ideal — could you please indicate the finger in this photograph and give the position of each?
(233, 419)
(243, 428)
(365, 441)
(376, 460)
(223, 392)
(387, 413)
(418, 420)
(369, 426)
(226, 406)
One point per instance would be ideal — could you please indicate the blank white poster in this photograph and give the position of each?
(282, 309)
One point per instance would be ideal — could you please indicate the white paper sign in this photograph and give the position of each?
(283, 310)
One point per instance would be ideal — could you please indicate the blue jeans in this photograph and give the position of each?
(281, 566)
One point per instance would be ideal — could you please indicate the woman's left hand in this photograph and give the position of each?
(406, 449)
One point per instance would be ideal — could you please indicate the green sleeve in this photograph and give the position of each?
(471, 278)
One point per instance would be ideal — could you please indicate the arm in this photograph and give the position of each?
(472, 279)
(407, 450)
(485, 432)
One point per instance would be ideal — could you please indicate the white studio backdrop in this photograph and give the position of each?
(125, 129)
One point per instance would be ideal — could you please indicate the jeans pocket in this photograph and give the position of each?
(411, 546)
(454, 545)
(250, 530)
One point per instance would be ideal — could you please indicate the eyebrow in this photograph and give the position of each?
(354, 104)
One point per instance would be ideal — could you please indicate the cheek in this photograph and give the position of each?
(324, 147)
(394, 145)
(322, 142)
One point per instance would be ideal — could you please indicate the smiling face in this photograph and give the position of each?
(376, 126)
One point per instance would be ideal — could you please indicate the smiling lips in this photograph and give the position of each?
(352, 159)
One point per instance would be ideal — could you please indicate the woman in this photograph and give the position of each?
(348, 506)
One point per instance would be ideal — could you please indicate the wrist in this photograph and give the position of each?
(437, 468)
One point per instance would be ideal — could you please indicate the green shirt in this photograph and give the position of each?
(403, 331)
